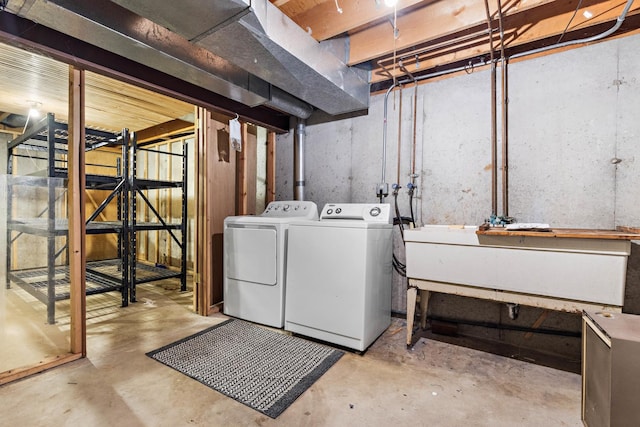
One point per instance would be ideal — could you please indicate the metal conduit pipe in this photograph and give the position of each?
(505, 116)
(494, 127)
(383, 187)
(298, 159)
(596, 37)
(600, 36)
(399, 141)
(413, 141)
(442, 73)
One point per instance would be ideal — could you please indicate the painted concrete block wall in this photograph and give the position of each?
(573, 138)
(456, 156)
(563, 137)
(627, 203)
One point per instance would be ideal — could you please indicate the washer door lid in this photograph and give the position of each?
(250, 255)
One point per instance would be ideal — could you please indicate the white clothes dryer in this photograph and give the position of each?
(255, 256)
(339, 275)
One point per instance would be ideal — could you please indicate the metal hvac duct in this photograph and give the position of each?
(245, 50)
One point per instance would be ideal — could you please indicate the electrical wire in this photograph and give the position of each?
(413, 219)
(399, 267)
(338, 8)
(575, 12)
(400, 225)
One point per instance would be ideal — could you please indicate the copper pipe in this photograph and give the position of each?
(415, 115)
(505, 117)
(494, 133)
(399, 137)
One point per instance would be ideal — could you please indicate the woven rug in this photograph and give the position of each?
(261, 368)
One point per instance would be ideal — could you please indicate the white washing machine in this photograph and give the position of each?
(255, 258)
(339, 275)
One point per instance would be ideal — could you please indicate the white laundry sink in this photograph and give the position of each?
(592, 270)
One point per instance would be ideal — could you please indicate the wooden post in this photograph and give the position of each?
(215, 200)
(241, 175)
(76, 209)
(271, 167)
(202, 256)
(250, 148)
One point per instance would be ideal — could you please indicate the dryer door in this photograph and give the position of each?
(250, 254)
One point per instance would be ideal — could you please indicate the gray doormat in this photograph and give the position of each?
(261, 368)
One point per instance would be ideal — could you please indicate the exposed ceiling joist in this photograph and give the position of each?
(519, 30)
(431, 35)
(432, 21)
(324, 20)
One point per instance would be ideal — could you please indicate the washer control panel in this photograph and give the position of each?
(291, 209)
(370, 212)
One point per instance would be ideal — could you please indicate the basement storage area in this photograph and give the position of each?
(139, 156)
(493, 143)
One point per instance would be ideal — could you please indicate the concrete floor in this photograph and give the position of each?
(434, 383)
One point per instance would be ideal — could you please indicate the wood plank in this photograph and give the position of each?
(202, 257)
(271, 167)
(626, 229)
(251, 171)
(575, 233)
(110, 103)
(163, 130)
(76, 208)
(323, 20)
(43, 365)
(539, 321)
(221, 184)
(241, 175)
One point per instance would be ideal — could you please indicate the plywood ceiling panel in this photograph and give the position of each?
(29, 78)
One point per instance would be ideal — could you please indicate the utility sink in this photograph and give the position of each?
(588, 270)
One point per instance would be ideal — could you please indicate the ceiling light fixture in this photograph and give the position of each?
(34, 110)
(390, 3)
(587, 14)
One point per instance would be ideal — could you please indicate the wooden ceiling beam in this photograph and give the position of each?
(520, 30)
(323, 20)
(433, 21)
(163, 130)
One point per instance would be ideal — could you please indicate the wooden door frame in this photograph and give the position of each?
(76, 237)
(215, 200)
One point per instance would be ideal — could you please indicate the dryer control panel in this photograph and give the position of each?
(369, 212)
(291, 209)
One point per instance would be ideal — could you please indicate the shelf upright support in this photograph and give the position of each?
(183, 226)
(119, 205)
(124, 197)
(51, 219)
(9, 213)
(132, 231)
